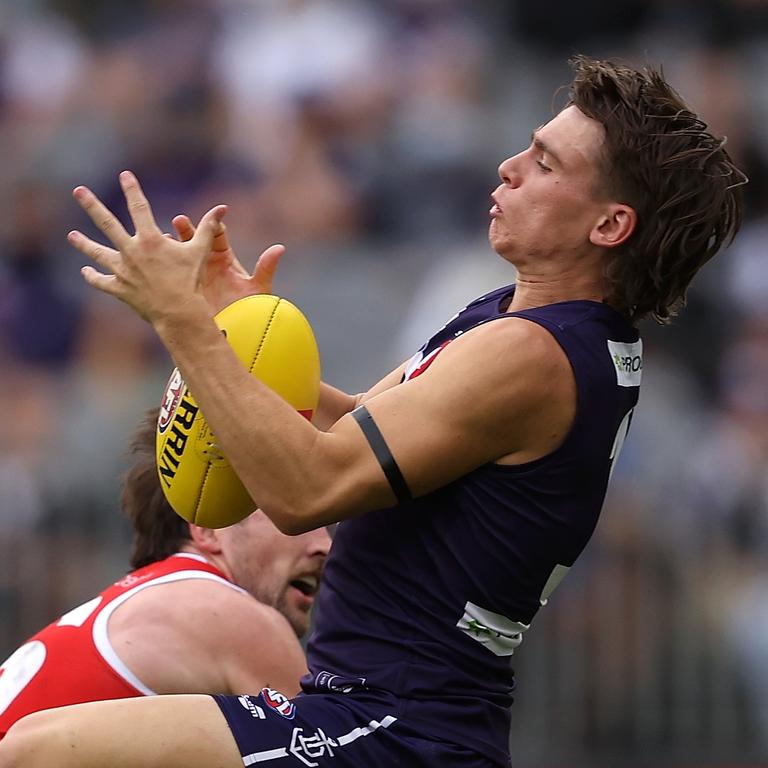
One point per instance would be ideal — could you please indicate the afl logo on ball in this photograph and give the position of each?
(171, 399)
(280, 703)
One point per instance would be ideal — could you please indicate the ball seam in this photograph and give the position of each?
(264, 336)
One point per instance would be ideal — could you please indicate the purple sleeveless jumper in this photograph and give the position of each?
(425, 602)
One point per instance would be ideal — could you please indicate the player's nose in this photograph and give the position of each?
(509, 171)
(318, 542)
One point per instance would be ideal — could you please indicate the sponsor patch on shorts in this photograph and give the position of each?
(255, 710)
(279, 702)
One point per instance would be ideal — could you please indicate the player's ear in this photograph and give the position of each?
(615, 226)
(205, 539)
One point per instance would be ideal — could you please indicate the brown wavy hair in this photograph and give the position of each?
(659, 158)
(158, 531)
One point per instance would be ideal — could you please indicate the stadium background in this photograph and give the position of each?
(365, 135)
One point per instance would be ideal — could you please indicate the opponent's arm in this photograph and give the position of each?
(274, 659)
(200, 636)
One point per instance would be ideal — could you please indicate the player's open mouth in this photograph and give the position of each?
(307, 585)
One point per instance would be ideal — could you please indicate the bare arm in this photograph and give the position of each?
(199, 636)
(334, 403)
(503, 391)
(332, 406)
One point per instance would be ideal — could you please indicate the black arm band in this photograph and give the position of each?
(383, 454)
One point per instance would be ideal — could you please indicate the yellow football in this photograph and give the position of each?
(274, 341)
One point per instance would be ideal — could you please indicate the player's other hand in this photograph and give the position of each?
(158, 276)
(224, 279)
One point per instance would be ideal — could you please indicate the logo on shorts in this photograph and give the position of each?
(339, 684)
(280, 703)
(255, 710)
(307, 748)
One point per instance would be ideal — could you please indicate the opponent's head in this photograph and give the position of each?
(158, 532)
(278, 570)
(659, 158)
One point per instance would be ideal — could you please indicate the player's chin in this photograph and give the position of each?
(501, 242)
(495, 235)
(299, 620)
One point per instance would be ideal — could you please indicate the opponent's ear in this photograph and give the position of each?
(205, 539)
(614, 227)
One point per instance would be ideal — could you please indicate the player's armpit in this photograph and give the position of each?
(392, 379)
(334, 403)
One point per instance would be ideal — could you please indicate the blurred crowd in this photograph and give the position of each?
(365, 134)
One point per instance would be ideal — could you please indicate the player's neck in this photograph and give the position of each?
(536, 291)
(211, 558)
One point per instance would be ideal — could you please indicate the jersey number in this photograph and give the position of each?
(25, 662)
(18, 669)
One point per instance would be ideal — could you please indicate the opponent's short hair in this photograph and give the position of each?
(659, 158)
(158, 531)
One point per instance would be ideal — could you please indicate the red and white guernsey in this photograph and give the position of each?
(72, 661)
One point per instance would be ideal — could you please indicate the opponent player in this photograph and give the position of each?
(468, 480)
(183, 621)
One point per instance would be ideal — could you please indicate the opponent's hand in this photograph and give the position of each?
(224, 278)
(155, 275)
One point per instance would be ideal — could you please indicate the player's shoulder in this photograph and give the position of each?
(254, 643)
(208, 612)
(509, 342)
(232, 612)
(499, 370)
(202, 594)
(200, 597)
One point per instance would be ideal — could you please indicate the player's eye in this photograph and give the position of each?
(544, 167)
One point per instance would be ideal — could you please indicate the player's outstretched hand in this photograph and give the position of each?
(224, 278)
(155, 275)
